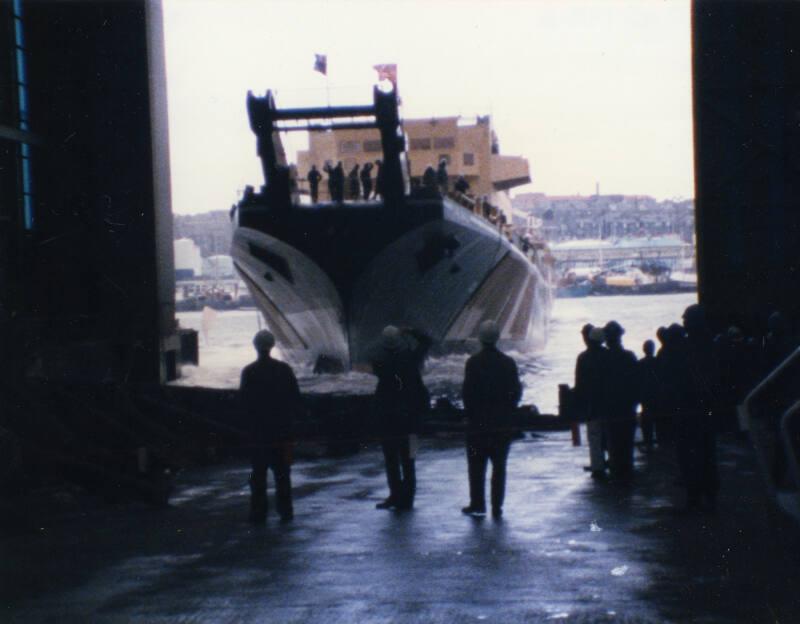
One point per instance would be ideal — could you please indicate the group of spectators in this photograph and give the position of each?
(491, 392)
(688, 392)
(358, 184)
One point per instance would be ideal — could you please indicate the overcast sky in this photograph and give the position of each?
(594, 90)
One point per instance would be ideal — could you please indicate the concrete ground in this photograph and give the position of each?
(567, 550)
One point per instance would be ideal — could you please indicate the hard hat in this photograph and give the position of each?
(390, 338)
(263, 340)
(596, 334)
(488, 332)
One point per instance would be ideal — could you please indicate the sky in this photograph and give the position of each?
(587, 90)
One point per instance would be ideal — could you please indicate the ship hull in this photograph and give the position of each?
(441, 277)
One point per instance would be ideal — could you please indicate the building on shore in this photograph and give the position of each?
(666, 251)
(571, 217)
(188, 261)
(469, 146)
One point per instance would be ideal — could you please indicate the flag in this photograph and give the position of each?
(387, 72)
(321, 63)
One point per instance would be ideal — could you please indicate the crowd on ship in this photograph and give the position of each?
(359, 184)
(688, 392)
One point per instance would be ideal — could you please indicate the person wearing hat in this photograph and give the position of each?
(696, 386)
(589, 377)
(649, 392)
(620, 398)
(271, 398)
(400, 401)
(491, 392)
(442, 179)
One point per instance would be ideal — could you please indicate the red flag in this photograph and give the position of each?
(321, 63)
(387, 72)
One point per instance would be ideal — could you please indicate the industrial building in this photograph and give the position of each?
(86, 260)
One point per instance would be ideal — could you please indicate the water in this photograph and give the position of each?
(225, 347)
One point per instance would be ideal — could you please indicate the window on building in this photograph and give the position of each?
(444, 142)
(373, 146)
(469, 159)
(421, 144)
(349, 147)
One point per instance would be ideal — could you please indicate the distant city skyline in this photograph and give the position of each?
(587, 91)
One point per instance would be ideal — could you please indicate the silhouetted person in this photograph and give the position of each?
(366, 180)
(620, 402)
(442, 178)
(338, 174)
(270, 397)
(461, 185)
(329, 169)
(400, 401)
(648, 392)
(668, 364)
(314, 177)
(491, 393)
(429, 178)
(589, 395)
(353, 184)
(695, 384)
(379, 179)
(738, 369)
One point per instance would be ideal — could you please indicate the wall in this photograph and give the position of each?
(747, 157)
(99, 290)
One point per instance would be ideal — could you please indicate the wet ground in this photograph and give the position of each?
(567, 550)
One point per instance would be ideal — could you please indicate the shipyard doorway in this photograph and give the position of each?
(652, 220)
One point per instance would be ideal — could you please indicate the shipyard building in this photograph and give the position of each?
(86, 259)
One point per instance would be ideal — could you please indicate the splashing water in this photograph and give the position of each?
(228, 348)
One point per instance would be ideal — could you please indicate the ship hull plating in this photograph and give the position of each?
(442, 276)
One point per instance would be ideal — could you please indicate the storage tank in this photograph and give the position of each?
(219, 267)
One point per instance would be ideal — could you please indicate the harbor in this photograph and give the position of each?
(441, 312)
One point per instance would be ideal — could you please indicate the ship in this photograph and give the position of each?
(329, 276)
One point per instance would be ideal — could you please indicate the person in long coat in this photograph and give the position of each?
(337, 182)
(366, 180)
(442, 179)
(271, 398)
(491, 392)
(353, 184)
(401, 400)
(314, 177)
(694, 381)
(589, 395)
(620, 398)
(648, 383)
